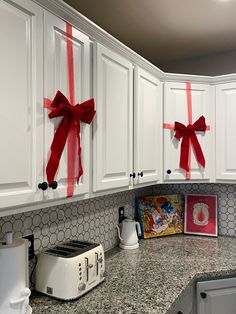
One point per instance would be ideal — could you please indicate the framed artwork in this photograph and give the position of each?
(201, 215)
(160, 215)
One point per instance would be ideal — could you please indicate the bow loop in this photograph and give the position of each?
(200, 124)
(180, 129)
(86, 111)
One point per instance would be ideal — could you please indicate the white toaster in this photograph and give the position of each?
(69, 270)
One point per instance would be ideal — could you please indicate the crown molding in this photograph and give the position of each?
(96, 33)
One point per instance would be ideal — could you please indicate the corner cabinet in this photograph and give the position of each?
(113, 124)
(21, 80)
(57, 78)
(147, 127)
(216, 296)
(225, 132)
(176, 109)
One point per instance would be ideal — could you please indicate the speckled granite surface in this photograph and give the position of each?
(150, 279)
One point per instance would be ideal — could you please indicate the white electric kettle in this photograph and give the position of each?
(128, 234)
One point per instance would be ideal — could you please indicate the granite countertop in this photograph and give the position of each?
(150, 279)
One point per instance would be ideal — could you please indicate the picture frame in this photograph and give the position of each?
(160, 215)
(201, 215)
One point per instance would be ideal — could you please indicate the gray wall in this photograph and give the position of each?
(217, 64)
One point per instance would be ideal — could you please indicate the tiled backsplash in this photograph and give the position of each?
(96, 219)
(90, 220)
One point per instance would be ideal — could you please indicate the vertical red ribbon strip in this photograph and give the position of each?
(190, 121)
(71, 142)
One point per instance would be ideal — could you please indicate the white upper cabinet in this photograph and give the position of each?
(57, 78)
(21, 123)
(225, 132)
(113, 125)
(186, 108)
(147, 127)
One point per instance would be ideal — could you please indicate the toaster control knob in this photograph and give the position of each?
(82, 286)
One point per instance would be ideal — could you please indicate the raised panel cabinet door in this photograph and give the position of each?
(113, 127)
(147, 127)
(216, 297)
(176, 109)
(57, 78)
(225, 131)
(21, 93)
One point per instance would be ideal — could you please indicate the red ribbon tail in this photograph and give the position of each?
(184, 153)
(198, 151)
(71, 154)
(80, 170)
(57, 147)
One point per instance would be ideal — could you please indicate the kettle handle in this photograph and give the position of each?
(139, 228)
(118, 229)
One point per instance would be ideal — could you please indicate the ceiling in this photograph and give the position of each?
(166, 30)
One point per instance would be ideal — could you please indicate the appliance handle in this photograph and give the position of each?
(139, 228)
(118, 229)
(25, 294)
(21, 300)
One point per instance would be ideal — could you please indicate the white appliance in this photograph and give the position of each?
(128, 234)
(14, 291)
(69, 270)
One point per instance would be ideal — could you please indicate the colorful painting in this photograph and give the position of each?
(201, 215)
(160, 215)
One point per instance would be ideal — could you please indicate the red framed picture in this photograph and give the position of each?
(201, 215)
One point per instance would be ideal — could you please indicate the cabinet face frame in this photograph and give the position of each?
(108, 172)
(56, 78)
(171, 146)
(23, 164)
(147, 100)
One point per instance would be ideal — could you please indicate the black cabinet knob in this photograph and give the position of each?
(43, 186)
(203, 295)
(140, 174)
(53, 185)
(132, 175)
(179, 312)
(168, 171)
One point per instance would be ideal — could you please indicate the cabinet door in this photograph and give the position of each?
(225, 131)
(113, 123)
(220, 297)
(56, 78)
(176, 109)
(21, 118)
(147, 127)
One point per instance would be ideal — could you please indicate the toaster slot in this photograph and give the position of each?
(61, 250)
(76, 245)
(57, 253)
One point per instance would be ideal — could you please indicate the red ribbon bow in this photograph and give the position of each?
(188, 134)
(72, 115)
